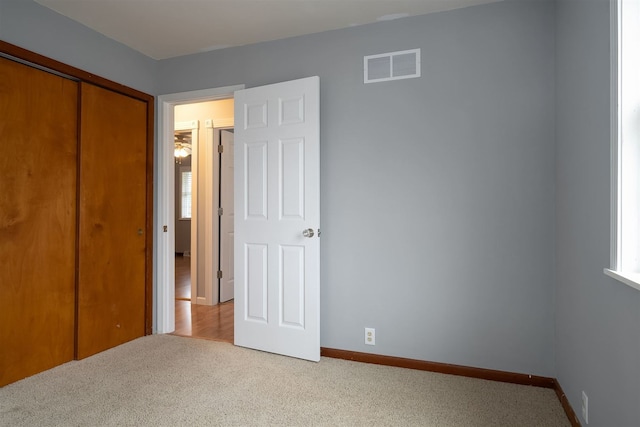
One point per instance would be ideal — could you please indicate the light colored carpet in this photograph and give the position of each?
(164, 380)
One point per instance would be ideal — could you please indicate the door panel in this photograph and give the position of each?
(227, 218)
(292, 286)
(37, 220)
(277, 183)
(111, 271)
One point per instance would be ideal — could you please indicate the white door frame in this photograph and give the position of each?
(226, 158)
(164, 255)
(212, 232)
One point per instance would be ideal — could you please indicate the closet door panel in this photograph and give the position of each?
(38, 136)
(112, 197)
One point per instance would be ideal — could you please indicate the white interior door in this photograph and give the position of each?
(277, 200)
(227, 217)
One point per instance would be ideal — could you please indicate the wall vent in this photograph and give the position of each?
(403, 64)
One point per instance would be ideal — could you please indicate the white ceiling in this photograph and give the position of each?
(164, 29)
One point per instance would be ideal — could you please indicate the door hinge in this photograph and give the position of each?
(220, 211)
(220, 148)
(164, 228)
(219, 274)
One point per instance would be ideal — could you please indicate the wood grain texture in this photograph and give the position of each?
(443, 368)
(183, 278)
(76, 73)
(81, 75)
(8, 124)
(211, 322)
(38, 132)
(112, 220)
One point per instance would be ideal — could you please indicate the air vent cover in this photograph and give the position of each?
(403, 64)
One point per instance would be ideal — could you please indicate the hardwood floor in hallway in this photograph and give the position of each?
(212, 322)
(183, 278)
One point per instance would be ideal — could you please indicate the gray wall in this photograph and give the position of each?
(598, 318)
(439, 211)
(437, 193)
(41, 30)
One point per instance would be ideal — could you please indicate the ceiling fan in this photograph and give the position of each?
(182, 145)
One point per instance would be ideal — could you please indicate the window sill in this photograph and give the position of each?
(629, 279)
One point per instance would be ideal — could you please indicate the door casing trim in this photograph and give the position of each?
(164, 250)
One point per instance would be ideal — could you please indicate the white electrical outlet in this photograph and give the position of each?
(585, 407)
(370, 336)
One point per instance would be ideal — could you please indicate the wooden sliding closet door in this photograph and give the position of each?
(38, 136)
(112, 197)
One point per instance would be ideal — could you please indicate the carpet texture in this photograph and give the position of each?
(164, 380)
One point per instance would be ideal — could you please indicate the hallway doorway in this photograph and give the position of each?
(165, 304)
(204, 245)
